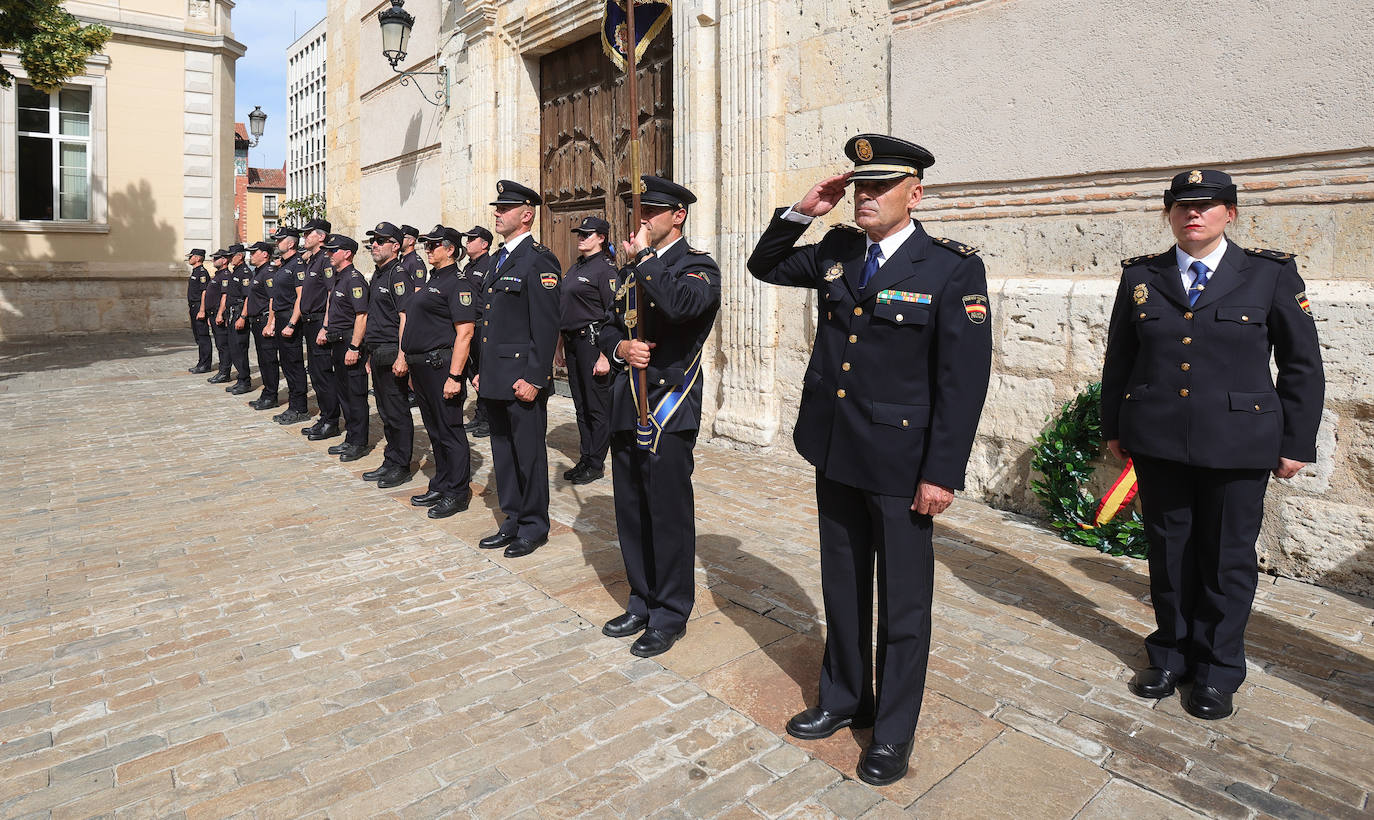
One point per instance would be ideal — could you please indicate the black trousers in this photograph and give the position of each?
(1201, 525)
(520, 460)
(655, 517)
(352, 381)
(858, 529)
(322, 374)
(443, 419)
(390, 393)
(591, 397)
(200, 329)
(221, 334)
(269, 357)
(291, 354)
(238, 345)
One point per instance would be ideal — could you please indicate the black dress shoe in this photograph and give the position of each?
(291, 417)
(305, 431)
(449, 505)
(623, 626)
(655, 642)
(325, 431)
(200, 368)
(218, 378)
(1153, 682)
(352, 452)
(395, 478)
(240, 388)
(263, 403)
(496, 541)
(521, 547)
(883, 764)
(481, 431)
(588, 474)
(426, 499)
(1208, 703)
(375, 475)
(816, 724)
(576, 468)
(334, 450)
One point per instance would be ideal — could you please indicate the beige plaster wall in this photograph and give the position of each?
(343, 168)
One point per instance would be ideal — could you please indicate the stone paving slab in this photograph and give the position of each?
(206, 616)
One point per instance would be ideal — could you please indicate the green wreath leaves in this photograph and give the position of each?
(1063, 456)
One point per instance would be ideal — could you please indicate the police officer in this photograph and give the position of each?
(1188, 396)
(519, 332)
(889, 407)
(410, 258)
(390, 290)
(664, 311)
(259, 313)
(477, 245)
(195, 305)
(287, 282)
(587, 292)
(436, 326)
(214, 315)
(307, 319)
(234, 301)
(342, 334)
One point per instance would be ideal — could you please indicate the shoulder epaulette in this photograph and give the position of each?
(1268, 254)
(958, 247)
(845, 226)
(1135, 260)
(698, 251)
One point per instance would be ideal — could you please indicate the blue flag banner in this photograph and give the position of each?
(650, 18)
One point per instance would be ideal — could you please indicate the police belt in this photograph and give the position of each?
(314, 316)
(262, 316)
(386, 349)
(588, 331)
(423, 358)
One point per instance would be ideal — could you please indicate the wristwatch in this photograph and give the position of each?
(456, 377)
(645, 254)
(355, 348)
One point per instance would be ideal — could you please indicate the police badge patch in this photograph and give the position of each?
(399, 288)
(1195, 177)
(357, 293)
(864, 150)
(1303, 303)
(1141, 294)
(548, 280)
(300, 275)
(976, 308)
(465, 299)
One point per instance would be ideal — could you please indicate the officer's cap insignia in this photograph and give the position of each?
(976, 308)
(357, 293)
(958, 247)
(864, 150)
(1141, 294)
(835, 272)
(1195, 177)
(501, 187)
(1303, 303)
(548, 280)
(465, 298)
(1268, 254)
(399, 288)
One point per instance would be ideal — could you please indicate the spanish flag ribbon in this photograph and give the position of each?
(1118, 496)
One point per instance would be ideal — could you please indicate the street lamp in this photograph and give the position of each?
(257, 119)
(396, 25)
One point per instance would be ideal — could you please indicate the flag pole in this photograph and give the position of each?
(632, 83)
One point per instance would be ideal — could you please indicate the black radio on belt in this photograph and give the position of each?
(331, 336)
(435, 359)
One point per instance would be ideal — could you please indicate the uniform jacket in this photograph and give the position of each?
(519, 327)
(414, 266)
(678, 306)
(1193, 385)
(477, 270)
(195, 284)
(898, 374)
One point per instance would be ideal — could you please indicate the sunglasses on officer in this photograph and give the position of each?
(431, 244)
(382, 240)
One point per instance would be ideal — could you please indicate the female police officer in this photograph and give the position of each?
(1187, 394)
(586, 299)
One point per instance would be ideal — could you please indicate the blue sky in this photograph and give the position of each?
(267, 28)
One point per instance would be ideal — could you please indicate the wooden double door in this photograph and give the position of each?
(585, 137)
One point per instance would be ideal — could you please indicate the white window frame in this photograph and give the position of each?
(56, 143)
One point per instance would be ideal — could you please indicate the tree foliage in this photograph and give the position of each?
(299, 211)
(53, 45)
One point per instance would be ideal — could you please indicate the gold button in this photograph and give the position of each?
(488, 307)
(1142, 315)
(845, 367)
(1257, 407)
(1187, 340)
(858, 311)
(1185, 366)
(651, 304)
(484, 338)
(853, 339)
(517, 355)
(1187, 315)
(1183, 392)
(840, 392)
(660, 381)
(1128, 395)
(1245, 318)
(648, 279)
(905, 423)
(899, 317)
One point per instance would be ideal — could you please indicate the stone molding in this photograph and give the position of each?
(909, 13)
(409, 158)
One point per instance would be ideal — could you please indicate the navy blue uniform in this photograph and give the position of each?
(347, 301)
(891, 397)
(476, 271)
(315, 287)
(391, 289)
(258, 312)
(415, 268)
(214, 291)
(587, 293)
(1188, 391)
(655, 510)
(196, 282)
(287, 280)
(236, 290)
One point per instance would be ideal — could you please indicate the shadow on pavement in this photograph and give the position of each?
(69, 352)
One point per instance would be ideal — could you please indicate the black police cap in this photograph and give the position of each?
(593, 224)
(663, 193)
(235, 248)
(1200, 186)
(513, 193)
(267, 247)
(410, 230)
(878, 156)
(283, 231)
(196, 252)
(385, 230)
(221, 254)
(478, 232)
(339, 242)
(317, 225)
(443, 234)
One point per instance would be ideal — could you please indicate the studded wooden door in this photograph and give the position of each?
(584, 136)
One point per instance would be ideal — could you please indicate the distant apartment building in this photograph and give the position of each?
(305, 111)
(264, 193)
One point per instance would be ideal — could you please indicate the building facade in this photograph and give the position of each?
(264, 193)
(105, 183)
(307, 130)
(1056, 126)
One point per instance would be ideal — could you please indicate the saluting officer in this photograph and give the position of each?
(195, 305)
(436, 327)
(588, 290)
(1187, 394)
(307, 319)
(214, 316)
(410, 257)
(477, 245)
(259, 313)
(286, 282)
(234, 299)
(390, 290)
(664, 312)
(889, 407)
(345, 323)
(519, 331)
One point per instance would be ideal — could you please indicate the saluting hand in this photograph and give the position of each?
(931, 499)
(824, 196)
(1288, 468)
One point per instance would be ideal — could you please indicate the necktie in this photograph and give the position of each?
(875, 252)
(501, 257)
(1199, 282)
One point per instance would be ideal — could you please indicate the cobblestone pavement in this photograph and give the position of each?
(206, 616)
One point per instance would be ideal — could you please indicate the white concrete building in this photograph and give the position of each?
(305, 114)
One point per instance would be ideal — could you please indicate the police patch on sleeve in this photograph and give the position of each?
(269, 283)
(976, 308)
(548, 280)
(399, 288)
(357, 293)
(300, 275)
(1303, 303)
(465, 299)
(418, 274)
